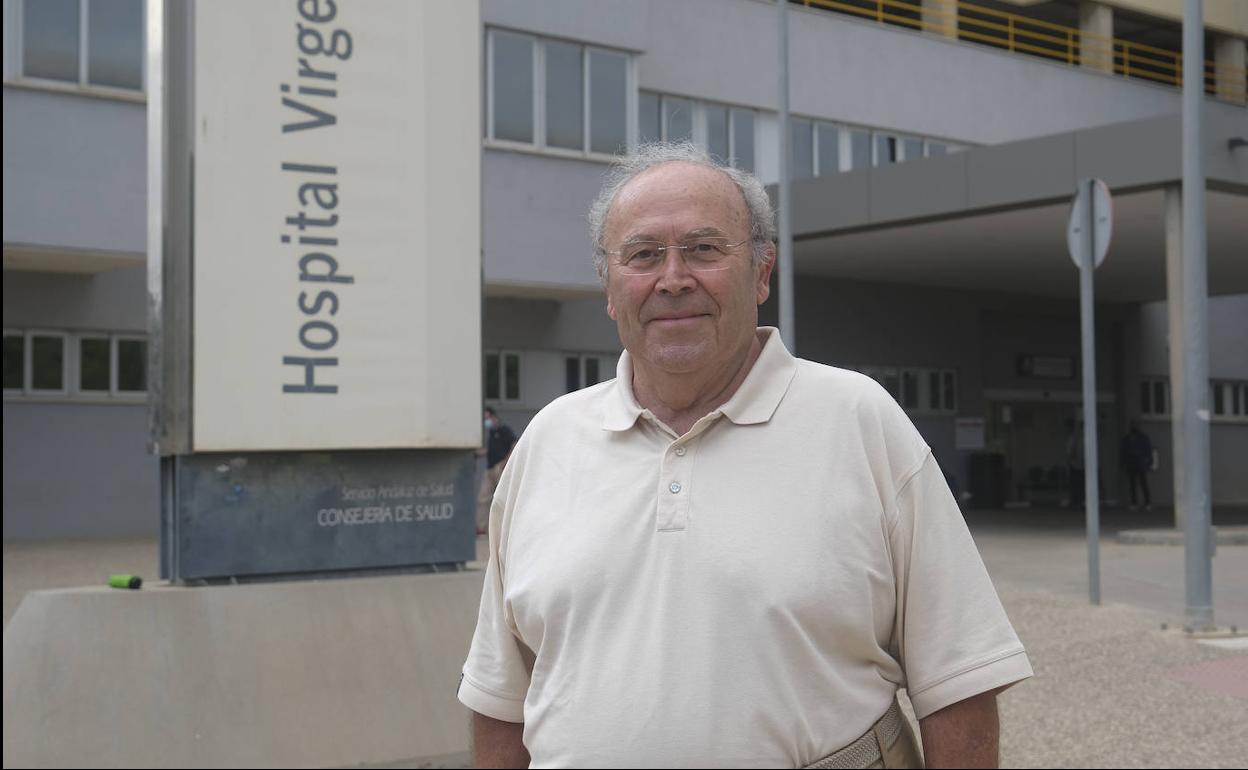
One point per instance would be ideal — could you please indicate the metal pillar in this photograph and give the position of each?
(1197, 535)
(788, 323)
(1091, 452)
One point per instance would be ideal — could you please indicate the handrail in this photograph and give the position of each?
(1037, 37)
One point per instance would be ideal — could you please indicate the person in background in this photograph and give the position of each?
(1137, 458)
(497, 449)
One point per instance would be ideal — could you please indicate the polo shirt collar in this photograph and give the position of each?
(755, 401)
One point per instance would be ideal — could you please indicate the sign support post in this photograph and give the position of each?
(1088, 235)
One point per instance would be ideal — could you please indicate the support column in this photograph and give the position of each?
(1230, 56)
(1096, 32)
(940, 17)
(1173, 206)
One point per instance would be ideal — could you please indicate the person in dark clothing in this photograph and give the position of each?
(497, 449)
(1074, 461)
(1137, 458)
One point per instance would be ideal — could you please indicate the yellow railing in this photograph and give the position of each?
(1014, 32)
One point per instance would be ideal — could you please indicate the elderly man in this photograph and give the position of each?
(726, 556)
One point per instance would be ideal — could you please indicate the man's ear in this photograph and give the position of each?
(764, 273)
(611, 309)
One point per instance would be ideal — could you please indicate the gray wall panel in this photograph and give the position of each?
(1228, 338)
(921, 189)
(78, 470)
(840, 201)
(112, 301)
(573, 325)
(1002, 175)
(535, 232)
(74, 171)
(1116, 153)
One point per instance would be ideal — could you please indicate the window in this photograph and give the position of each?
(556, 95)
(923, 391)
(742, 139)
(565, 108)
(92, 366)
(1230, 399)
(1154, 397)
(502, 376)
(131, 365)
(717, 132)
(97, 43)
(885, 149)
(95, 364)
(801, 148)
(608, 107)
(583, 371)
(726, 132)
(860, 149)
(14, 361)
(827, 149)
(677, 119)
(47, 362)
(511, 78)
(649, 126)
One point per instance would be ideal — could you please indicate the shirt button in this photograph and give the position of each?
(680, 451)
(675, 487)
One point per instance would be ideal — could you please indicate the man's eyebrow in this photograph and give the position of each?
(700, 232)
(640, 237)
(703, 232)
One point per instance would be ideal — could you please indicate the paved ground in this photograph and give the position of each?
(1111, 688)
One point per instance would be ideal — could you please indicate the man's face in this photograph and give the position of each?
(679, 320)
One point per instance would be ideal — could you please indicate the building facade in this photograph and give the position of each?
(988, 373)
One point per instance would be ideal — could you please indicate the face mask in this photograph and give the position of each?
(489, 424)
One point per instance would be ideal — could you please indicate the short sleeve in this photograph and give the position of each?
(951, 632)
(496, 675)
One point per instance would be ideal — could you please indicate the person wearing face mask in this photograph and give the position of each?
(499, 441)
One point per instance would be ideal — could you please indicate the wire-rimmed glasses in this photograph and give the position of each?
(703, 253)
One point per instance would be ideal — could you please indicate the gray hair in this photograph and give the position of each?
(628, 167)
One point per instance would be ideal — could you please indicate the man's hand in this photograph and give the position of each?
(498, 744)
(964, 734)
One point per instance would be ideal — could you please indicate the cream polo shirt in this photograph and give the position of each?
(749, 594)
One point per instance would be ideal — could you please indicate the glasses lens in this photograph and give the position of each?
(646, 257)
(641, 257)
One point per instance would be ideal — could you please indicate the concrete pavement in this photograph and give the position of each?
(1111, 688)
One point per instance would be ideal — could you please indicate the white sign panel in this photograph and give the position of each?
(1092, 204)
(336, 225)
(968, 433)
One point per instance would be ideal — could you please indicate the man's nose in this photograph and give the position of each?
(675, 277)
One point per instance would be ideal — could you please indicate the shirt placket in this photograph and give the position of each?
(675, 492)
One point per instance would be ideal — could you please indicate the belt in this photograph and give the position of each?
(865, 751)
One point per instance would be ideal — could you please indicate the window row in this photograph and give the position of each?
(1227, 398)
(923, 391)
(818, 148)
(581, 371)
(1230, 398)
(504, 375)
(726, 132)
(80, 42)
(556, 95)
(40, 363)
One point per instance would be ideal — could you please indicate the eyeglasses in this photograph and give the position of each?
(702, 254)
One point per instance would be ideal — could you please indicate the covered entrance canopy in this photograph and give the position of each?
(994, 218)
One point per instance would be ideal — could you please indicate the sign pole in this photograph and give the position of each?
(1087, 238)
(1194, 497)
(1091, 492)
